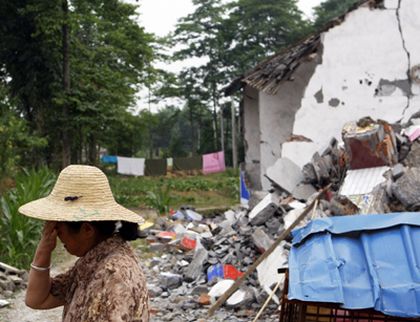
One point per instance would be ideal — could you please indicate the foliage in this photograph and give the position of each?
(199, 191)
(19, 234)
(17, 144)
(110, 56)
(258, 29)
(160, 199)
(330, 9)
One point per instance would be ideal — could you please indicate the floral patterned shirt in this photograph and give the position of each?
(107, 284)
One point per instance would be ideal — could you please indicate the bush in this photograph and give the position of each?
(19, 234)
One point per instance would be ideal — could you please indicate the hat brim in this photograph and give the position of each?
(51, 210)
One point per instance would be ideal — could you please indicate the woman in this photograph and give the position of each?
(106, 283)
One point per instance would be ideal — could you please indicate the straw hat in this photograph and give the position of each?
(81, 193)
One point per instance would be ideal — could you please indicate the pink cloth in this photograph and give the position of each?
(214, 162)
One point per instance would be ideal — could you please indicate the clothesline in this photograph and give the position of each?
(208, 163)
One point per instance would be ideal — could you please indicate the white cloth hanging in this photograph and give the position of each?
(130, 166)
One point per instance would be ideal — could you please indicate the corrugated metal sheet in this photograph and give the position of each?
(368, 261)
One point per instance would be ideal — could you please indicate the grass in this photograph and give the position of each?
(162, 193)
(19, 235)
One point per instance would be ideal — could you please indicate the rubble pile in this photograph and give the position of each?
(374, 170)
(11, 279)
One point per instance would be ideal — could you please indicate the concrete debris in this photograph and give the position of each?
(397, 171)
(375, 171)
(261, 240)
(303, 191)
(195, 269)
(405, 189)
(285, 174)
(11, 280)
(4, 303)
(412, 159)
(220, 288)
(267, 270)
(342, 205)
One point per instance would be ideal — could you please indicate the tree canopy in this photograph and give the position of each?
(70, 71)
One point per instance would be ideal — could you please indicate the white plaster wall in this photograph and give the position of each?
(252, 136)
(357, 54)
(410, 26)
(277, 115)
(272, 114)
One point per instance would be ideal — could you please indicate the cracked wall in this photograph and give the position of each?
(252, 137)
(366, 63)
(277, 115)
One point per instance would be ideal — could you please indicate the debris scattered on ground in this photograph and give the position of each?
(11, 280)
(368, 174)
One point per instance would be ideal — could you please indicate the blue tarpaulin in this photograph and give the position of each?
(360, 262)
(110, 159)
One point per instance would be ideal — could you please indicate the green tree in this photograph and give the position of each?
(17, 143)
(258, 29)
(329, 10)
(202, 36)
(108, 58)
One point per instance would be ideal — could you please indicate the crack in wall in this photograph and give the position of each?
(397, 12)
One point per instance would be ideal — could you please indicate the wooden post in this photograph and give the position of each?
(234, 148)
(283, 235)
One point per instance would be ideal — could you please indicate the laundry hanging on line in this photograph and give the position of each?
(214, 162)
(130, 166)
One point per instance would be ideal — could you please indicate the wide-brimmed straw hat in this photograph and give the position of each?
(81, 193)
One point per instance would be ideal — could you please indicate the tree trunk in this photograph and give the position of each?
(66, 86)
(222, 132)
(215, 127)
(193, 139)
(234, 149)
(92, 150)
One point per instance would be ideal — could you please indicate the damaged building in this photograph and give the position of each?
(364, 63)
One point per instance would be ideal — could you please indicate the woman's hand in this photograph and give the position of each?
(46, 245)
(38, 294)
(48, 240)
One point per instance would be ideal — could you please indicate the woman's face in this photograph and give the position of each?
(76, 243)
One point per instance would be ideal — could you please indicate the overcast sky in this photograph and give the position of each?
(160, 16)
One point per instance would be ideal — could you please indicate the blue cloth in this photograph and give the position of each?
(360, 262)
(111, 159)
(243, 189)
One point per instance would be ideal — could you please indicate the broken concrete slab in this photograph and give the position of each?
(285, 173)
(303, 191)
(268, 275)
(264, 210)
(4, 303)
(241, 297)
(406, 190)
(397, 171)
(220, 288)
(261, 240)
(170, 280)
(413, 158)
(195, 269)
(322, 167)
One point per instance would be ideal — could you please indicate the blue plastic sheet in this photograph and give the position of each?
(110, 159)
(360, 262)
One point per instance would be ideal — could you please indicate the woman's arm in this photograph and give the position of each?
(38, 294)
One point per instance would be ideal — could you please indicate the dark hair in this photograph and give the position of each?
(127, 230)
